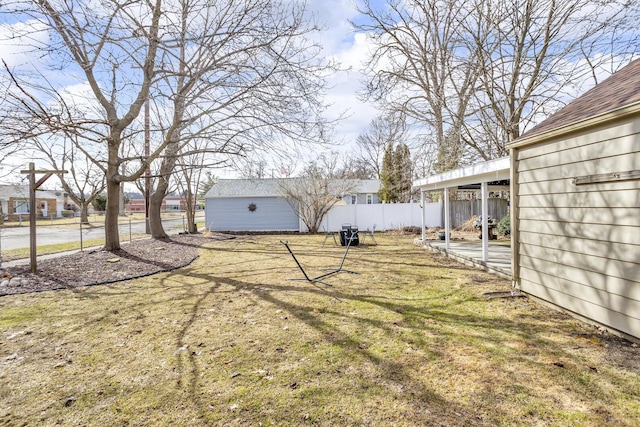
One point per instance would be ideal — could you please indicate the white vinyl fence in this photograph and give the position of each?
(383, 216)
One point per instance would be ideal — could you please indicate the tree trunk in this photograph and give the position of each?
(190, 207)
(155, 205)
(111, 232)
(84, 212)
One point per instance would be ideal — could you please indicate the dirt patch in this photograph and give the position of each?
(135, 259)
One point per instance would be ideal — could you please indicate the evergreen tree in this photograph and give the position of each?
(386, 194)
(403, 171)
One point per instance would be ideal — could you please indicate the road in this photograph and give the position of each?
(18, 237)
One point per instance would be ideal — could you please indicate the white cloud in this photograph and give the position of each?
(343, 45)
(18, 40)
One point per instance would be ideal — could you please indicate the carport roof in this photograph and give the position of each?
(492, 170)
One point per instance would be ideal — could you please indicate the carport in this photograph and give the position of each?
(483, 176)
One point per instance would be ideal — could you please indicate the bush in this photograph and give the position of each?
(504, 226)
(100, 203)
(68, 213)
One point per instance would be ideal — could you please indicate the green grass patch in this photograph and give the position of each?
(230, 341)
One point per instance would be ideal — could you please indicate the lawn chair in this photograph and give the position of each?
(369, 233)
(328, 234)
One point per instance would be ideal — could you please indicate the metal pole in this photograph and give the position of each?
(447, 219)
(32, 217)
(130, 239)
(423, 221)
(485, 221)
(147, 172)
(81, 246)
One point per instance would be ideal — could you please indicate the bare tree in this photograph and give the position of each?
(194, 174)
(234, 71)
(478, 73)
(420, 66)
(382, 131)
(82, 181)
(249, 75)
(314, 193)
(532, 53)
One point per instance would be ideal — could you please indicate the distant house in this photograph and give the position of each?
(169, 204)
(258, 205)
(365, 193)
(14, 201)
(576, 205)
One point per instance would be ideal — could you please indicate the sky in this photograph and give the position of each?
(349, 50)
(339, 42)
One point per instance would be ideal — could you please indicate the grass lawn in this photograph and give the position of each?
(229, 341)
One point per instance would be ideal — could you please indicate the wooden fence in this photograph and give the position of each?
(462, 210)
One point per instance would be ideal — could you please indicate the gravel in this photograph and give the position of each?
(136, 259)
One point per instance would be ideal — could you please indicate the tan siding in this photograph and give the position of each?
(579, 245)
(599, 313)
(565, 185)
(619, 163)
(601, 282)
(589, 294)
(618, 216)
(619, 251)
(562, 259)
(617, 234)
(609, 136)
(583, 199)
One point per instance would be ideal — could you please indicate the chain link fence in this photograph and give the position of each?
(68, 234)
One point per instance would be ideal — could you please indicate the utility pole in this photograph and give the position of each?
(33, 186)
(147, 172)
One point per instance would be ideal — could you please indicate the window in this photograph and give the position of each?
(369, 199)
(354, 199)
(20, 206)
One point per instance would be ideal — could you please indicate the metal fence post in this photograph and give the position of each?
(130, 239)
(81, 247)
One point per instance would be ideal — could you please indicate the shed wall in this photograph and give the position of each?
(233, 214)
(578, 246)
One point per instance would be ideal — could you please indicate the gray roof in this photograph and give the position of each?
(245, 188)
(269, 187)
(368, 186)
(13, 190)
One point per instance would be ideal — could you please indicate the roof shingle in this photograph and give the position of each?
(619, 90)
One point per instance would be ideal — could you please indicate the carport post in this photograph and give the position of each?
(424, 232)
(485, 221)
(447, 221)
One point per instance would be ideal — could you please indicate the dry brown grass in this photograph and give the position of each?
(229, 341)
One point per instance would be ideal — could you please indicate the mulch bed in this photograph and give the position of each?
(135, 259)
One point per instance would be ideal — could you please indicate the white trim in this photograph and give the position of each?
(492, 170)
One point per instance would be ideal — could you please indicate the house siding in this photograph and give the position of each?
(578, 246)
(233, 214)
(51, 208)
